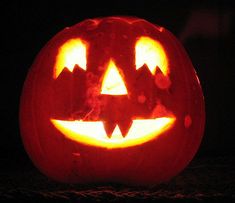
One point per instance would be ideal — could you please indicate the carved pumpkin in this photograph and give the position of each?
(112, 99)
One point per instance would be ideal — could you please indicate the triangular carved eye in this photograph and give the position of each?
(72, 52)
(151, 53)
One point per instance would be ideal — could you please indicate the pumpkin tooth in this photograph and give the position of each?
(125, 126)
(109, 127)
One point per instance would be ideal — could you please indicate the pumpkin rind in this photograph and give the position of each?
(71, 94)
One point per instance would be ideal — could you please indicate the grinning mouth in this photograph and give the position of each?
(93, 132)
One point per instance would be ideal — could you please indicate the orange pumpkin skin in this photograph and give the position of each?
(71, 95)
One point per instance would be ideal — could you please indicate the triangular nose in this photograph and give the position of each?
(113, 83)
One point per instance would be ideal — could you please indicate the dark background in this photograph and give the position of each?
(206, 29)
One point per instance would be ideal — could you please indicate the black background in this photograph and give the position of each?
(206, 29)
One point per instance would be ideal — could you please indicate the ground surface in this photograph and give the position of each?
(206, 179)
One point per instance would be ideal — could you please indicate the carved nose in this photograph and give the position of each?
(113, 82)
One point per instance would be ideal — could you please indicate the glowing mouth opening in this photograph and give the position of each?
(93, 132)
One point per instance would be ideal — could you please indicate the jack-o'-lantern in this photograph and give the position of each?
(112, 99)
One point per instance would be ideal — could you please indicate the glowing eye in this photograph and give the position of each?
(151, 53)
(71, 53)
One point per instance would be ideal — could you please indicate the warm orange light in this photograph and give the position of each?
(71, 53)
(113, 83)
(93, 133)
(151, 53)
